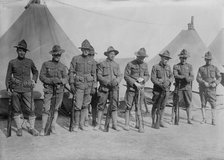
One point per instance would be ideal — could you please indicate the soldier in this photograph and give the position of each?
(81, 78)
(162, 78)
(18, 81)
(109, 77)
(183, 74)
(208, 78)
(94, 97)
(53, 74)
(136, 74)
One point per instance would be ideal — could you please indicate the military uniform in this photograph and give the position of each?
(162, 78)
(52, 74)
(18, 79)
(81, 76)
(209, 74)
(133, 71)
(183, 74)
(109, 77)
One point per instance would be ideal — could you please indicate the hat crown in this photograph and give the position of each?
(141, 52)
(208, 55)
(22, 44)
(56, 48)
(166, 53)
(184, 53)
(111, 48)
(86, 44)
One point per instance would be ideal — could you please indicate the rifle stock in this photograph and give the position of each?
(9, 121)
(72, 115)
(109, 111)
(52, 109)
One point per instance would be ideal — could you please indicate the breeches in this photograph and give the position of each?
(160, 101)
(185, 97)
(22, 98)
(103, 96)
(82, 98)
(48, 98)
(131, 98)
(208, 96)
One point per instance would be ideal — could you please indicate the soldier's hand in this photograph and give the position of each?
(93, 91)
(140, 80)
(138, 85)
(72, 87)
(206, 84)
(213, 84)
(114, 83)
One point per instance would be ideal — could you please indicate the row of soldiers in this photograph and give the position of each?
(84, 75)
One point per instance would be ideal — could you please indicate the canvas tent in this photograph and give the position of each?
(41, 31)
(191, 41)
(217, 47)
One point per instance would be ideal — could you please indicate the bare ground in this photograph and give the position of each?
(182, 142)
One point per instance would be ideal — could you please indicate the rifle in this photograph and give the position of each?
(158, 109)
(139, 110)
(176, 108)
(72, 110)
(109, 111)
(9, 121)
(52, 109)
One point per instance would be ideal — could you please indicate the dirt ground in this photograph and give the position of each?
(182, 142)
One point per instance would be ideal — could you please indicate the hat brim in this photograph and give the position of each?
(106, 53)
(57, 53)
(84, 48)
(25, 49)
(136, 53)
(164, 56)
(207, 58)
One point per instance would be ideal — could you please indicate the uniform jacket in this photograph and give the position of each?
(82, 72)
(209, 74)
(107, 71)
(18, 74)
(133, 71)
(51, 70)
(161, 74)
(183, 74)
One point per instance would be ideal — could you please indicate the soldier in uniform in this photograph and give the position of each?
(109, 77)
(136, 74)
(208, 78)
(94, 97)
(19, 82)
(53, 74)
(183, 74)
(81, 78)
(162, 78)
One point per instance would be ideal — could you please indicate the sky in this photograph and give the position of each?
(127, 25)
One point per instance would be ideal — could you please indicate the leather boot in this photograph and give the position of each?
(18, 125)
(53, 130)
(213, 116)
(188, 110)
(44, 122)
(82, 119)
(162, 124)
(114, 121)
(32, 130)
(98, 126)
(127, 116)
(77, 121)
(203, 115)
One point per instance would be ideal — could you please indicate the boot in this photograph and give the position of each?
(77, 121)
(32, 130)
(82, 119)
(53, 131)
(44, 122)
(162, 124)
(114, 121)
(213, 116)
(188, 115)
(127, 116)
(98, 126)
(18, 125)
(153, 114)
(203, 115)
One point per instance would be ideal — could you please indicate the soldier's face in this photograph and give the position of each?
(57, 57)
(85, 52)
(183, 60)
(111, 56)
(21, 53)
(140, 58)
(164, 60)
(208, 61)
